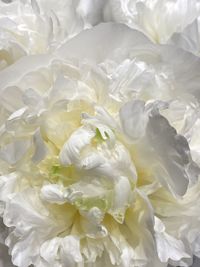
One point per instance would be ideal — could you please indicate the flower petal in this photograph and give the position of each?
(13, 152)
(70, 153)
(174, 152)
(168, 247)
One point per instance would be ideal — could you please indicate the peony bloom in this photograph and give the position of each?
(99, 133)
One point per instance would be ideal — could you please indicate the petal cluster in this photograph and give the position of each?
(99, 133)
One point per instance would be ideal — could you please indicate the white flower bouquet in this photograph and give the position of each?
(99, 133)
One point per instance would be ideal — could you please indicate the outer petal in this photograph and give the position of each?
(119, 38)
(189, 39)
(168, 247)
(173, 151)
(64, 251)
(31, 225)
(145, 16)
(7, 188)
(13, 73)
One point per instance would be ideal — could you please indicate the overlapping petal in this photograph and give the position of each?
(99, 142)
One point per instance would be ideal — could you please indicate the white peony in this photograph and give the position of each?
(99, 133)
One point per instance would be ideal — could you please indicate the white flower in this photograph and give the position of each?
(99, 134)
(31, 27)
(146, 16)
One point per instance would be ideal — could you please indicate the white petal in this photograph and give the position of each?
(174, 153)
(11, 98)
(189, 39)
(31, 224)
(40, 147)
(7, 186)
(185, 68)
(134, 119)
(119, 39)
(122, 197)
(35, 6)
(90, 11)
(145, 15)
(13, 73)
(70, 251)
(168, 247)
(15, 151)
(31, 98)
(64, 251)
(70, 153)
(53, 193)
(17, 114)
(50, 249)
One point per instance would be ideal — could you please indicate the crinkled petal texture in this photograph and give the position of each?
(99, 133)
